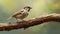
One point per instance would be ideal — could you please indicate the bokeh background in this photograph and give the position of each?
(39, 8)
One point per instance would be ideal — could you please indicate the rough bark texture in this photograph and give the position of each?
(28, 23)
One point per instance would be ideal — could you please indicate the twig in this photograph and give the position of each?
(28, 23)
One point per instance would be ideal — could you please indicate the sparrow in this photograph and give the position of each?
(21, 14)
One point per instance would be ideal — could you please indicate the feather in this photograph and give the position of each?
(9, 18)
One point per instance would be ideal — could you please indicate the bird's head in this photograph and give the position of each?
(27, 8)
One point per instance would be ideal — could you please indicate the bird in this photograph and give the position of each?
(21, 14)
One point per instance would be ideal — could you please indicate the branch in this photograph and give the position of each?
(28, 23)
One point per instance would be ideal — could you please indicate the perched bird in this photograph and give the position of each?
(21, 14)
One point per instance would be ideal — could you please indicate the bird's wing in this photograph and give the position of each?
(17, 13)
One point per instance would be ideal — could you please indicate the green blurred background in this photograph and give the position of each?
(39, 8)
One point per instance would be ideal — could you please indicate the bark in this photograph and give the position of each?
(28, 23)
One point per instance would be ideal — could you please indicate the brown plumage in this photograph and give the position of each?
(21, 14)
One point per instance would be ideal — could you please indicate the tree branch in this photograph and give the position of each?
(28, 23)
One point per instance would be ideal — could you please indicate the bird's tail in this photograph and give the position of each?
(9, 18)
